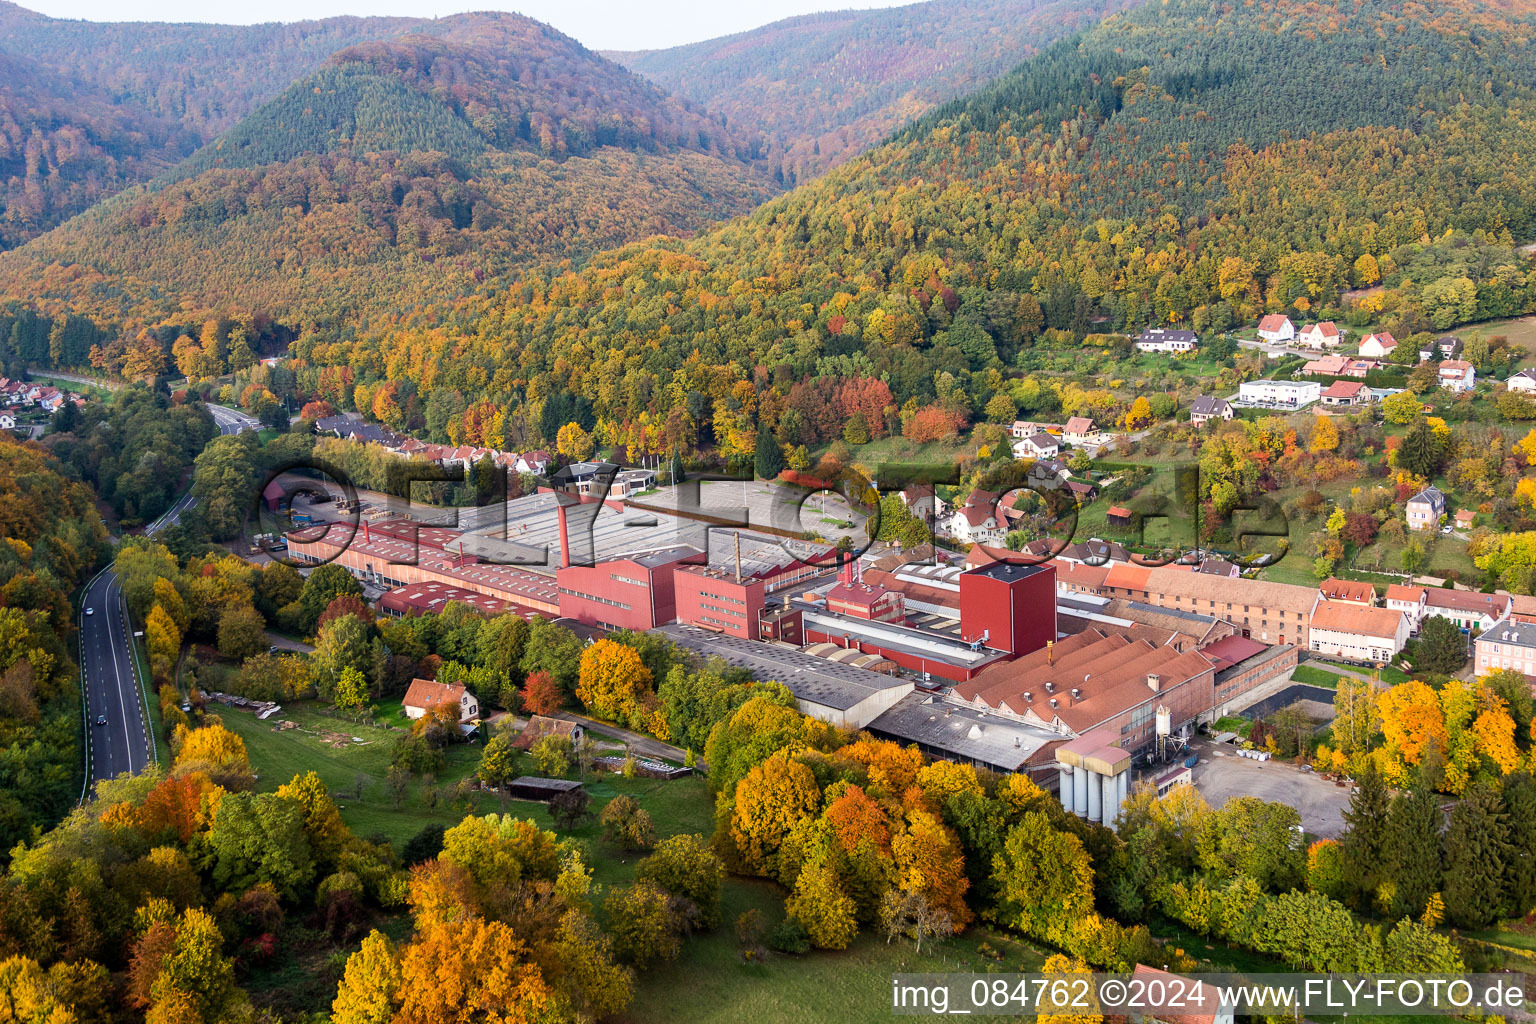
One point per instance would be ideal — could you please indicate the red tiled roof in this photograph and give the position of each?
(1353, 618)
(424, 693)
(1272, 322)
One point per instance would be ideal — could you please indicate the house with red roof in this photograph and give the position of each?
(1277, 329)
(1320, 335)
(1346, 392)
(1378, 346)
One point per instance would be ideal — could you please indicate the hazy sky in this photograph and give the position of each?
(600, 24)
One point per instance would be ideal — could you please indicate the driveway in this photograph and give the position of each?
(1222, 775)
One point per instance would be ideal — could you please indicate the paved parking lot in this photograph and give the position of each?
(1222, 775)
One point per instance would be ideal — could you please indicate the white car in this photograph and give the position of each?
(90, 611)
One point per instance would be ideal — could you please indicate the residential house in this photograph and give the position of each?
(1049, 473)
(1023, 428)
(1348, 591)
(921, 501)
(1457, 375)
(1325, 366)
(424, 694)
(1285, 394)
(1320, 335)
(7, 421)
(1161, 339)
(976, 524)
(1358, 368)
(1464, 518)
(1341, 629)
(1036, 446)
(533, 463)
(1449, 346)
(1525, 380)
(1213, 566)
(1425, 509)
(1207, 408)
(1346, 393)
(1409, 600)
(1083, 491)
(1277, 329)
(540, 726)
(1207, 1007)
(1079, 430)
(1509, 644)
(1378, 346)
(1469, 609)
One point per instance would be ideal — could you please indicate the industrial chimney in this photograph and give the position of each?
(565, 541)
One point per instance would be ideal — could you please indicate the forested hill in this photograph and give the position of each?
(1180, 163)
(826, 87)
(476, 82)
(63, 146)
(401, 172)
(87, 109)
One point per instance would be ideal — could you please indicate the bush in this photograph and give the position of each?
(790, 937)
(553, 755)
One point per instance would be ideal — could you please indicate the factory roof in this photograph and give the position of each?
(966, 733)
(808, 677)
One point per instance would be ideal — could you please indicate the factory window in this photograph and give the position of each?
(626, 579)
(593, 597)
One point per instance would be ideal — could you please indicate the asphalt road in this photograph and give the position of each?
(112, 691)
(231, 421)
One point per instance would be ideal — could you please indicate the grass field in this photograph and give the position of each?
(1313, 676)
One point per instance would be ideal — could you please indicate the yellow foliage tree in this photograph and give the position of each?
(470, 970)
(164, 642)
(573, 442)
(772, 797)
(612, 680)
(367, 993)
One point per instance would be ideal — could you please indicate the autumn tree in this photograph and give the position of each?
(1045, 879)
(645, 924)
(686, 867)
(772, 797)
(627, 824)
(822, 907)
(164, 642)
(212, 750)
(541, 694)
(612, 680)
(574, 443)
(370, 984)
(470, 970)
(498, 762)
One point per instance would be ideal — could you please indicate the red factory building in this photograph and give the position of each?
(720, 600)
(634, 592)
(867, 601)
(1008, 607)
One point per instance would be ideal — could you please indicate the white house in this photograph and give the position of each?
(1079, 430)
(1378, 346)
(1340, 629)
(7, 421)
(1469, 609)
(976, 524)
(1036, 446)
(921, 501)
(1457, 375)
(1525, 381)
(1320, 335)
(1277, 329)
(1159, 339)
(424, 694)
(1408, 600)
(1288, 394)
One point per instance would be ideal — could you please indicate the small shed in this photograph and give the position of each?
(1119, 515)
(533, 787)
